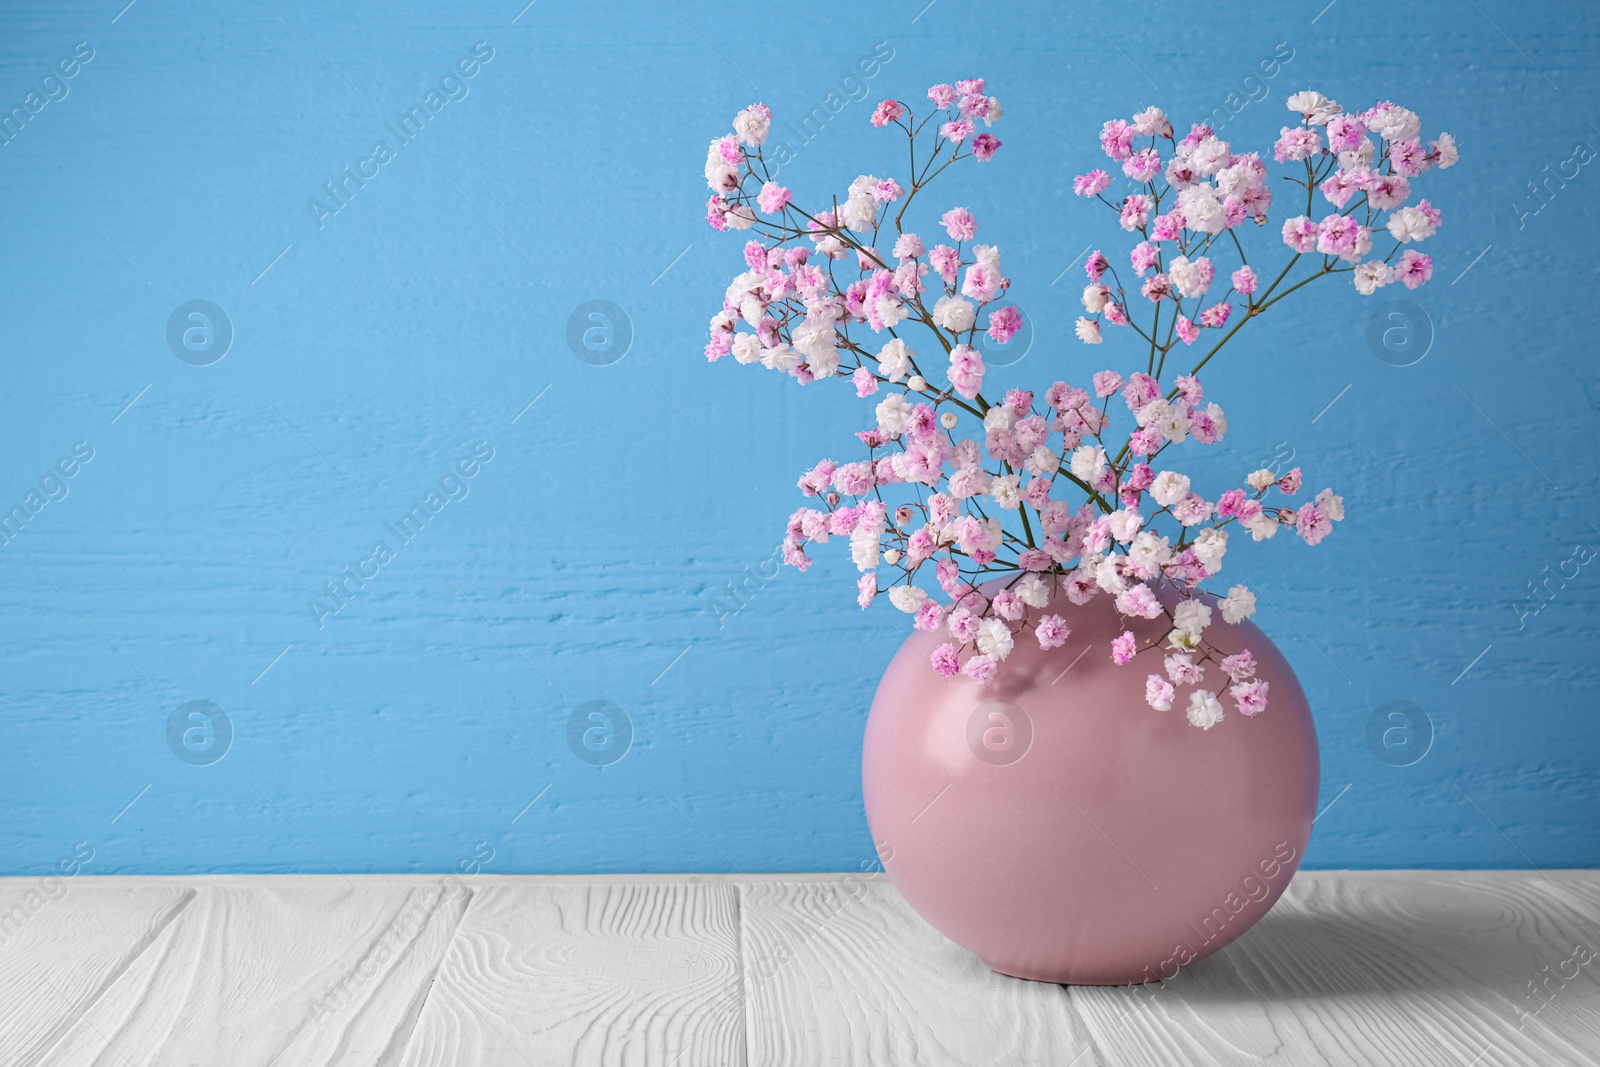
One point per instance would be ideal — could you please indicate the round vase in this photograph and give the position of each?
(1060, 828)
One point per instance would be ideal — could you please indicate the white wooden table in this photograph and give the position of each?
(1406, 968)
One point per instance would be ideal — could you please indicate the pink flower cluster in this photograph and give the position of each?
(1185, 194)
(1007, 505)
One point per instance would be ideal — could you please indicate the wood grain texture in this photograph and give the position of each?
(839, 970)
(1376, 968)
(556, 972)
(298, 971)
(64, 943)
(1486, 968)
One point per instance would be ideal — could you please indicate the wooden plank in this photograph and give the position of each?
(1376, 968)
(1371, 968)
(63, 943)
(298, 971)
(562, 972)
(838, 970)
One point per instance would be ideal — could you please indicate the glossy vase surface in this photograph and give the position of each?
(1060, 828)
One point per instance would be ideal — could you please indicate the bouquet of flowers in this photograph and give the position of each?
(1011, 501)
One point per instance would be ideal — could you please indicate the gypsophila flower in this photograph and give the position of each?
(1044, 501)
(1205, 710)
(1239, 605)
(1249, 697)
(980, 669)
(1240, 666)
(1158, 692)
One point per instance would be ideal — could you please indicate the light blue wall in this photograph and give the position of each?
(426, 314)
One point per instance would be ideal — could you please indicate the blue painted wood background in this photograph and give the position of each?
(374, 348)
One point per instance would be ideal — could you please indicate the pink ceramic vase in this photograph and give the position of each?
(1060, 828)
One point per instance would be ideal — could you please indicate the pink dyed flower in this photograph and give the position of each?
(930, 616)
(1313, 524)
(1158, 692)
(959, 224)
(1008, 605)
(1250, 696)
(1136, 211)
(1336, 235)
(1338, 189)
(963, 625)
(980, 669)
(1389, 192)
(1192, 510)
(1413, 269)
(1408, 158)
(1168, 227)
(1233, 211)
(957, 130)
(1156, 287)
(1183, 670)
(966, 371)
(1145, 255)
(717, 213)
(1345, 133)
(1240, 667)
(1139, 601)
(1141, 389)
(815, 480)
(1096, 265)
(1300, 234)
(1106, 383)
(853, 479)
(886, 112)
(936, 487)
(1296, 142)
(982, 283)
(1228, 503)
(773, 198)
(1052, 632)
(1004, 324)
(1203, 425)
(1092, 183)
(1146, 442)
(1116, 138)
(1142, 166)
